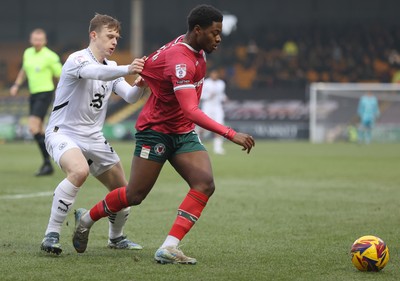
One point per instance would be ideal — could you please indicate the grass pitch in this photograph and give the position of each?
(287, 211)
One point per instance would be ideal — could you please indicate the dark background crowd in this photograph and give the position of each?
(295, 56)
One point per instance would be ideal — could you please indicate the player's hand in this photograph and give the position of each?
(14, 90)
(136, 66)
(245, 140)
(139, 82)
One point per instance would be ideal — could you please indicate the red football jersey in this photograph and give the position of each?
(174, 66)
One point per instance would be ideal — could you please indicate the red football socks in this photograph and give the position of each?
(188, 213)
(112, 203)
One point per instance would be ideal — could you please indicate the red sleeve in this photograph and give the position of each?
(188, 101)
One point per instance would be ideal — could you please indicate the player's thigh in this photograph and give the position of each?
(58, 144)
(100, 155)
(72, 161)
(151, 151)
(113, 178)
(195, 168)
(143, 175)
(191, 161)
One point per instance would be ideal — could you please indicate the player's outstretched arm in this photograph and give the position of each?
(189, 104)
(110, 72)
(131, 94)
(244, 140)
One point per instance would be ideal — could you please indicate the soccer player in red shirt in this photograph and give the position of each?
(165, 131)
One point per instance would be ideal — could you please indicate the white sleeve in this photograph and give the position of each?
(205, 93)
(127, 92)
(224, 96)
(102, 72)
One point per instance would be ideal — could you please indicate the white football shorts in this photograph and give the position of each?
(98, 152)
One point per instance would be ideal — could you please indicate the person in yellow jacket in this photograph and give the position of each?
(40, 66)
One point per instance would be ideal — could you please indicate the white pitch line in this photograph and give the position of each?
(28, 195)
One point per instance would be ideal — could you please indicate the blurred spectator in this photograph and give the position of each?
(290, 48)
(396, 75)
(212, 99)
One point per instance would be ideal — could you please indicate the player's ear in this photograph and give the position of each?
(197, 29)
(93, 34)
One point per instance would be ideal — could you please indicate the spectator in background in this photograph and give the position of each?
(39, 66)
(368, 111)
(396, 74)
(290, 49)
(212, 99)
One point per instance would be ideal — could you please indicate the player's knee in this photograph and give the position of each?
(207, 187)
(134, 198)
(210, 189)
(79, 175)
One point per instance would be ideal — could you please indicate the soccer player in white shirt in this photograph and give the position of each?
(74, 137)
(212, 99)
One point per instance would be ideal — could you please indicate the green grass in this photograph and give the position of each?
(287, 211)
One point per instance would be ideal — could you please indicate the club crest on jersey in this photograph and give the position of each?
(159, 149)
(180, 70)
(62, 145)
(80, 59)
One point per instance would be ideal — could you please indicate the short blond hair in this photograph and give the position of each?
(99, 20)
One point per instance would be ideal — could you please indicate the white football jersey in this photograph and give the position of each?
(80, 105)
(212, 98)
(213, 93)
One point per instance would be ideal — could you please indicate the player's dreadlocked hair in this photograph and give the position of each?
(204, 16)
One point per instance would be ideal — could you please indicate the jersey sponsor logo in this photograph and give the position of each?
(159, 148)
(180, 70)
(180, 82)
(145, 152)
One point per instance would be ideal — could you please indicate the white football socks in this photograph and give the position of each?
(217, 144)
(63, 200)
(117, 223)
(170, 241)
